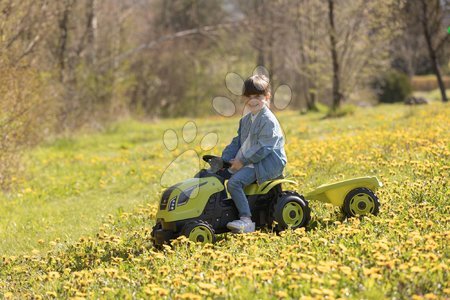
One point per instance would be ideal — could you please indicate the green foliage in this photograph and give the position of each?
(436, 94)
(433, 95)
(393, 87)
(26, 115)
(322, 107)
(343, 110)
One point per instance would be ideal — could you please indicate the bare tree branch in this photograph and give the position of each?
(170, 37)
(29, 48)
(442, 42)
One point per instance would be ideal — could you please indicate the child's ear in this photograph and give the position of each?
(268, 96)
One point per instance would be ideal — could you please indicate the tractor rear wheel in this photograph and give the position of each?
(291, 211)
(199, 231)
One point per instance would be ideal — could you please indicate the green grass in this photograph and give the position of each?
(81, 216)
(72, 184)
(434, 95)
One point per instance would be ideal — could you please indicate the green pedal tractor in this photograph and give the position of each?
(200, 207)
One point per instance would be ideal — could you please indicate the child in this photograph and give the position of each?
(257, 152)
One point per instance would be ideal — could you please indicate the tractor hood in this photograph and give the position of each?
(187, 199)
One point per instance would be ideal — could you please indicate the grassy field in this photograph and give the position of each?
(78, 224)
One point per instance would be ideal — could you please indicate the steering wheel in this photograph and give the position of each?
(212, 159)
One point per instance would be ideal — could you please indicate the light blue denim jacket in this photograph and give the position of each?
(266, 150)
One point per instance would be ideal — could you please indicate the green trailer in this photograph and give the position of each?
(355, 196)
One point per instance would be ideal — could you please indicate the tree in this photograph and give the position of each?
(431, 17)
(337, 95)
(308, 63)
(359, 38)
(27, 105)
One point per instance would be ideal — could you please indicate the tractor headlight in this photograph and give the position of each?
(165, 197)
(172, 203)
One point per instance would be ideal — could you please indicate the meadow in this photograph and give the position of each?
(78, 224)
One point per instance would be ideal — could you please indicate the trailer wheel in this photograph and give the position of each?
(199, 231)
(360, 201)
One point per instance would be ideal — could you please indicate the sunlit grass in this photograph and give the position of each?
(88, 204)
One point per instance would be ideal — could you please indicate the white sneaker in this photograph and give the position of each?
(244, 225)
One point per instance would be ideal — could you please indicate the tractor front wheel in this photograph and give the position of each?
(158, 226)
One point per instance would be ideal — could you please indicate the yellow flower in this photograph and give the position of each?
(189, 296)
(281, 294)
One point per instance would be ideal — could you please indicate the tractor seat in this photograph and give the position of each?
(279, 177)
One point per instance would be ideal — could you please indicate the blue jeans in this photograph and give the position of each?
(236, 184)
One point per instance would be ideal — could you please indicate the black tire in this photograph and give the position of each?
(158, 226)
(290, 210)
(360, 201)
(199, 231)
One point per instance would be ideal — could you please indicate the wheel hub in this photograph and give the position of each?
(200, 234)
(362, 204)
(292, 214)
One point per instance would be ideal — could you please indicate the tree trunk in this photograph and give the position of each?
(311, 102)
(337, 96)
(91, 29)
(63, 37)
(259, 37)
(432, 50)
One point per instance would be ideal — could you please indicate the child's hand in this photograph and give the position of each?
(236, 164)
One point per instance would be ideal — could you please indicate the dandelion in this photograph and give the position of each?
(53, 275)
